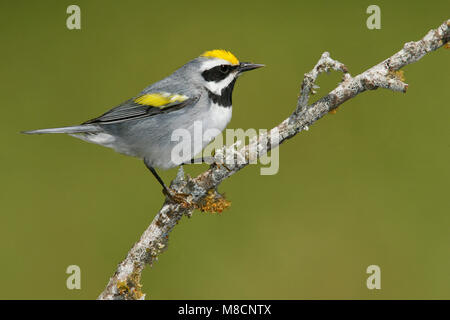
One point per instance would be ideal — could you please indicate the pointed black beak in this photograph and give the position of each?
(247, 66)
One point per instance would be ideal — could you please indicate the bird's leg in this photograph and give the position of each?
(171, 194)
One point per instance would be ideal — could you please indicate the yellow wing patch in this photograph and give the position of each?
(160, 100)
(221, 54)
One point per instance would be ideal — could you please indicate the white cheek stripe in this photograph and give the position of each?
(216, 87)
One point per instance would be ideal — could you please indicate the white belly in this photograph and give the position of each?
(212, 125)
(219, 117)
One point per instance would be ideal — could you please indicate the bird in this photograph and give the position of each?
(199, 92)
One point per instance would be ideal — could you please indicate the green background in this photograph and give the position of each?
(369, 185)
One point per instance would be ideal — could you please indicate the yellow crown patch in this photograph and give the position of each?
(221, 54)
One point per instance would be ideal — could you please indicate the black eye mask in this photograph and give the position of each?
(218, 73)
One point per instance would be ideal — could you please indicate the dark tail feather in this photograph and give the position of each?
(73, 129)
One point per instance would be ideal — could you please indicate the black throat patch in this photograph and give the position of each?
(224, 99)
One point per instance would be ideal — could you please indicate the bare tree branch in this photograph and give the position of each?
(201, 191)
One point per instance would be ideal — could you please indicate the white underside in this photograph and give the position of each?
(220, 116)
(101, 138)
(212, 124)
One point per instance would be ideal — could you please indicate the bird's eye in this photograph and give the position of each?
(224, 68)
(218, 73)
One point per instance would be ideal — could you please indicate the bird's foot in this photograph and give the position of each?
(177, 197)
(221, 164)
(212, 161)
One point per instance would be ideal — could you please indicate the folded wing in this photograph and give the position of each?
(145, 105)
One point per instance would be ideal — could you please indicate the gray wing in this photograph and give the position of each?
(145, 105)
